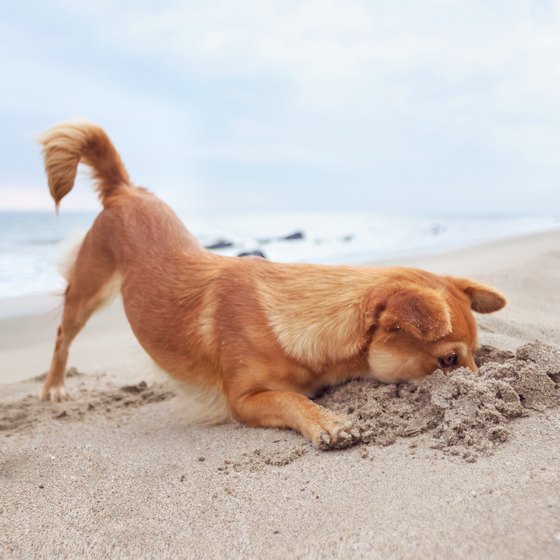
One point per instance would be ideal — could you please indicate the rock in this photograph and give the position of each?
(297, 235)
(220, 244)
(255, 253)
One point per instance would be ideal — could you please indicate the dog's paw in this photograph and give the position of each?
(335, 433)
(54, 394)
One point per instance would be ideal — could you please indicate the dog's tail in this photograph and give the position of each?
(68, 143)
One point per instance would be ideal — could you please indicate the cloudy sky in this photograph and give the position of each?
(437, 106)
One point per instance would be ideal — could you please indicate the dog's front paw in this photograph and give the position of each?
(54, 394)
(335, 433)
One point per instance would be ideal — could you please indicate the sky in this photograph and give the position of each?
(433, 107)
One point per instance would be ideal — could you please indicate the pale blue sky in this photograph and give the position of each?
(437, 106)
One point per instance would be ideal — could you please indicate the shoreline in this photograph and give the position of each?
(32, 246)
(38, 302)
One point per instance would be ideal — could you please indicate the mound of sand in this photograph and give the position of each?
(459, 413)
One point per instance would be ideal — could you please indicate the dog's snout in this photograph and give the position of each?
(471, 364)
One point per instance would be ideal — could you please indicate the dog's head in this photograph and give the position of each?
(421, 326)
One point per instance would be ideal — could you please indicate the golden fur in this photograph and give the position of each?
(264, 336)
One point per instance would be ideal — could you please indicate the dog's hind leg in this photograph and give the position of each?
(91, 283)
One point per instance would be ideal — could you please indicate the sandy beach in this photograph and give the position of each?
(465, 467)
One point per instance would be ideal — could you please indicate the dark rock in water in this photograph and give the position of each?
(255, 253)
(294, 236)
(220, 244)
(347, 238)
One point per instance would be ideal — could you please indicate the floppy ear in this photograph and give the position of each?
(483, 298)
(421, 312)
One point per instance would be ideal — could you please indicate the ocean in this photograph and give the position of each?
(31, 244)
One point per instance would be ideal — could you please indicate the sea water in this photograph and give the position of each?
(31, 244)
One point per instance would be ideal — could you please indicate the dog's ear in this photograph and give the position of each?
(484, 299)
(420, 312)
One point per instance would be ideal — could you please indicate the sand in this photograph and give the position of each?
(463, 466)
(459, 413)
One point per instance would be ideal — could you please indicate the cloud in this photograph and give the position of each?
(380, 99)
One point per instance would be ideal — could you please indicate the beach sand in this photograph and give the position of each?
(463, 467)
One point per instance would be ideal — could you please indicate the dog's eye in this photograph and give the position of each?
(447, 361)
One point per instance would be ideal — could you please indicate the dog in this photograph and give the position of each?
(265, 336)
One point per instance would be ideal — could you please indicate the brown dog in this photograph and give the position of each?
(262, 334)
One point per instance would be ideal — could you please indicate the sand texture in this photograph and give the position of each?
(460, 413)
(464, 466)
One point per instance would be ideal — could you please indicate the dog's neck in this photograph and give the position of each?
(331, 316)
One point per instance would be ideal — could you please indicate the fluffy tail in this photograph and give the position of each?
(66, 144)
